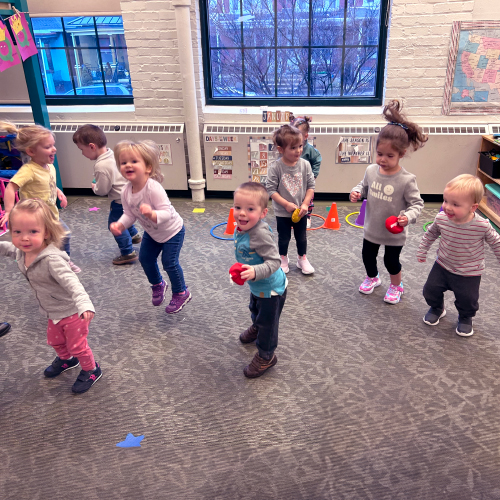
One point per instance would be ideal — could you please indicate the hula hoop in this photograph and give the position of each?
(319, 227)
(218, 237)
(350, 223)
(424, 227)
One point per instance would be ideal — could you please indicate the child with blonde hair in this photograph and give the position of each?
(460, 257)
(145, 200)
(290, 184)
(37, 178)
(389, 190)
(36, 237)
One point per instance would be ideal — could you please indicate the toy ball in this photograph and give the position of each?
(391, 224)
(235, 272)
(295, 215)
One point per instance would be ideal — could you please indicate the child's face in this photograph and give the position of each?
(88, 150)
(133, 167)
(44, 152)
(388, 158)
(291, 153)
(247, 210)
(458, 206)
(28, 233)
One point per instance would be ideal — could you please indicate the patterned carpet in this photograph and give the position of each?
(366, 401)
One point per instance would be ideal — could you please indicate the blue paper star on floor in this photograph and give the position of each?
(131, 441)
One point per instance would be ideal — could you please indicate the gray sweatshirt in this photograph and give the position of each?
(108, 180)
(57, 288)
(289, 182)
(388, 195)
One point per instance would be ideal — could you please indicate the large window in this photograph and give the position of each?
(83, 59)
(315, 52)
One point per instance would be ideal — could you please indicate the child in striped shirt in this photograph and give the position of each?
(460, 256)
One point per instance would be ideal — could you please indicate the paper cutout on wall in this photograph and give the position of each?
(21, 30)
(8, 54)
(222, 162)
(165, 154)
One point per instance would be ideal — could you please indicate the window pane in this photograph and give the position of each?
(226, 73)
(328, 23)
(362, 23)
(110, 31)
(86, 71)
(360, 70)
(258, 23)
(224, 27)
(55, 74)
(326, 69)
(115, 63)
(48, 31)
(292, 72)
(293, 22)
(80, 32)
(259, 72)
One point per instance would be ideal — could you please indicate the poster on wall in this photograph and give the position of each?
(354, 150)
(21, 30)
(222, 162)
(261, 154)
(165, 154)
(472, 84)
(8, 54)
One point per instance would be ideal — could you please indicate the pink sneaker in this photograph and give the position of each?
(304, 265)
(393, 295)
(284, 264)
(369, 284)
(74, 267)
(179, 300)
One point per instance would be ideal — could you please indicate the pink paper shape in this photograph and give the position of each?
(8, 53)
(21, 30)
(94, 209)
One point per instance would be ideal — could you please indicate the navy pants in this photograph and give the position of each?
(125, 239)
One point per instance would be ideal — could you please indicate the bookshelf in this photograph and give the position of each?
(487, 144)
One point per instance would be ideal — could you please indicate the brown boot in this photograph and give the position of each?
(249, 335)
(259, 365)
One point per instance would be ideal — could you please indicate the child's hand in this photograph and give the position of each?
(62, 198)
(116, 228)
(87, 316)
(290, 207)
(355, 196)
(303, 210)
(248, 273)
(402, 220)
(4, 219)
(148, 212)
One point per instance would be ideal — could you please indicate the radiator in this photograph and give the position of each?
(76, 170)
(451, 150)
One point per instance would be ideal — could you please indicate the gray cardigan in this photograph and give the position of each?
(57, 288)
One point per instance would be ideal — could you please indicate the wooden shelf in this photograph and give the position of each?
(492, 179)
(486, 145)
(488, 212)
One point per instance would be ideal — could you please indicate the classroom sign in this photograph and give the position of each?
(165, 154)
(8, 54)
(260, 155)
(222, 162)
(354, 150)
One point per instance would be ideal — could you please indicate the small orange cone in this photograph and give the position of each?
(332, 221)
(231, 223)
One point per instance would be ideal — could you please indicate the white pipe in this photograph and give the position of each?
(186, 60)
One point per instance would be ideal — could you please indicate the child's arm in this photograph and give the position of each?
(315, 161)
(493, 240)
(160, 209)
(428, 239)
(311, 184)
(261, 240)
(62, 198)
(9, 201)
(414, 204)
(127, 219)
(103, 184)
(7, 249)
(359, 191)
(272, 184)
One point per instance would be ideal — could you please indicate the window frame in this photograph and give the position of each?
(81, 100)
(376, 100)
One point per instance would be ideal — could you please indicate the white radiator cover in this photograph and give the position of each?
(451, 150)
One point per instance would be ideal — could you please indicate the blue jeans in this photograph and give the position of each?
(170, 250)
(65, 241)
(125, 239)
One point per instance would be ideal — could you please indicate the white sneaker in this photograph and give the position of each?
(284, 264)
(308, 223)
(304, 265)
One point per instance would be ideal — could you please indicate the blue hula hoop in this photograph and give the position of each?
(218, 237)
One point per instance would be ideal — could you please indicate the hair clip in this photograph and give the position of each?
(399, 125)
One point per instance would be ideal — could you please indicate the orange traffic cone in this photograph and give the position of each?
(332, 221)
(231, 223)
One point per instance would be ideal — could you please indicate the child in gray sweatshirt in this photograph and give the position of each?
(390, 191)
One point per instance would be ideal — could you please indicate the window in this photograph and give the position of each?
(83, 59)
(305, 52)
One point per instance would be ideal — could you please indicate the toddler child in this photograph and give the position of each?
(36, 237)
(37, 178)
(309, 153)
(144, 198)
(389, 190)
(460, 256)
(256, 250)
(290, 184)
(91, 141)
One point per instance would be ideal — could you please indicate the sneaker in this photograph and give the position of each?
(284, 264)
(369, 284)
(464, 327)
(304, 265)
(309, 223)
(74, 267)
(249, 335)
(4, 329)
(434, 315)
(159, 293)
(179, 300)
(87, 379)
(259, 366)
(393, 295)
(60, 365)
(136, 239)
(125, 259)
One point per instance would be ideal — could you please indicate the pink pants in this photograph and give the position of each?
(69, 338)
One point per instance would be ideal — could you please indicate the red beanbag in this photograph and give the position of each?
(391, 224)
(235, 271)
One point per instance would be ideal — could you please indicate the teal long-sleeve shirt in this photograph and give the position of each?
(313, 156)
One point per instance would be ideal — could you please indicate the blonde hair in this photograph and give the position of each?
(468, 184)
(147, 150)
(27, 137)
(40, 209)
(256, 189)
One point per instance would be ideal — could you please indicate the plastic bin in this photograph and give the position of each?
(488, 165)
(493, 197)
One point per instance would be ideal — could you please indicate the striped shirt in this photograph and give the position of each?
(461, 247)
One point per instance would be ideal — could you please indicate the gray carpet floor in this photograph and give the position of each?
(366, 401)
